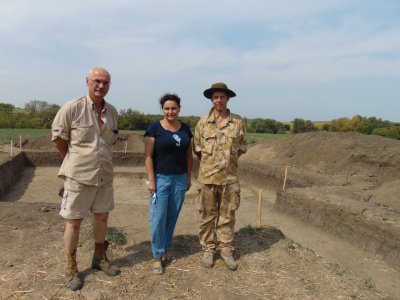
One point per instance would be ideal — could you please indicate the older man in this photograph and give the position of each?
(84, 131)
(219, 140)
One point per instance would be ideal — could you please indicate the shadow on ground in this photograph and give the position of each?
(248, 240)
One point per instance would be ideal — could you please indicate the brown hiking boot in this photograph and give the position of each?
(72, 280)
(101, 262)
(208, 260)
(230, 262)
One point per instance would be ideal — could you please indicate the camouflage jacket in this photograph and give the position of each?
(219, 145)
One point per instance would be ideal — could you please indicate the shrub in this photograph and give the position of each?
(326, 127)
(341, 124)
(363, 128)
(286, 127)
(392, 132)
(300, 125)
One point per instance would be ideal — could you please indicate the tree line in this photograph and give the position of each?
(40, 114)
(360, 124)
(37, 114)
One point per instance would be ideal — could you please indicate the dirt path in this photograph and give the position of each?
(277, 270)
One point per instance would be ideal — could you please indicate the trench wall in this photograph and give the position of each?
(265, 177)
(52, 158)
(10, 172)
(371, 235)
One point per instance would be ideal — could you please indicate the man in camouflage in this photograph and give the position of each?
(219, 140)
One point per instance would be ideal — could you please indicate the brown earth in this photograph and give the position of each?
(294, 255)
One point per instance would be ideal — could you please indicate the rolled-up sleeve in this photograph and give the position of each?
(243, 143)
(61, 124)
(197, 138)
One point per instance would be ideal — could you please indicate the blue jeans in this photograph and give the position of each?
(165, 209)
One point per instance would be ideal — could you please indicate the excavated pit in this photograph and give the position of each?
(365, 212)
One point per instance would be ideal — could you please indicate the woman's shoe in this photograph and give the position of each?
(171, 259)
(159, 269)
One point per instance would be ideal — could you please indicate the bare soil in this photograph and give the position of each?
(286, 258)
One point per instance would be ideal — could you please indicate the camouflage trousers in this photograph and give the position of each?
(217, 205)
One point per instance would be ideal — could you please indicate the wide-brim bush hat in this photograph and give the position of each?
(220, 86)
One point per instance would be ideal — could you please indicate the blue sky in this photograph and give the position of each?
(316, 60)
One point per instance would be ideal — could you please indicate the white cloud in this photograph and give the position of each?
(183, 46)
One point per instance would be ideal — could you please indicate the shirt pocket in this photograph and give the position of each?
(82, 132)
(234, 137)
(109, 137)
(208, 142)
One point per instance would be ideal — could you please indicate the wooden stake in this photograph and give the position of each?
(126, 145)
(361, 201)
(20, 143)
(284, 182)
(259, 208)
(347, 176)
(11, 148)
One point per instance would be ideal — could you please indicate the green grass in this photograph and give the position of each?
(141, 132)
(250, 136)
(369, 283)
(264, 136)
(20, 111)
(6, 134)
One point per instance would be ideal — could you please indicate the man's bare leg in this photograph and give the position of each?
(71, 239)
(100, 260)
(71, 235)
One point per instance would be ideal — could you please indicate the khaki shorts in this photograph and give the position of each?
(79, 198)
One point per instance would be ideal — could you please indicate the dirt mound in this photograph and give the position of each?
(334, 149)
(126, 140)
(330, 153)
(133, 141)
(42, 143)
(373, 162)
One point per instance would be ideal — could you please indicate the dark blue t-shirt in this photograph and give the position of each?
(170, 148)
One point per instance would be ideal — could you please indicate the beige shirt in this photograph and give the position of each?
(89, 156)
(219, 145)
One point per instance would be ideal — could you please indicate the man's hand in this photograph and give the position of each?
(61, 145)
(198, 154)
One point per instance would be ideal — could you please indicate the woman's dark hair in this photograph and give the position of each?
(170, 97)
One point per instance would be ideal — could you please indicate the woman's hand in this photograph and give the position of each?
(152, 187)
(189, 184)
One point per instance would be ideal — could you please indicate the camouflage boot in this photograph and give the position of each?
(208, 260)
(101, 262)
(229, 261)
(72, 279)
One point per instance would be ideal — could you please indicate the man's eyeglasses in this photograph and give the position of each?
(99, 82)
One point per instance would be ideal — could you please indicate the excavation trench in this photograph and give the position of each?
(314, 210)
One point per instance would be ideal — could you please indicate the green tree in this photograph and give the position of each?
(265, 125)
(374, 123)
(341, 124)
(363, 128)
(36, 105)
(326, 127)
(392, 132)
(46, 116)
(300, 125)
(191, 121)
(6, 109)
(286, 127)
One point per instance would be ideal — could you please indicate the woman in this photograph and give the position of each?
(168, 160)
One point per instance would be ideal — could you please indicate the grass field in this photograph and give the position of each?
(264, 136)
(6, 135)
